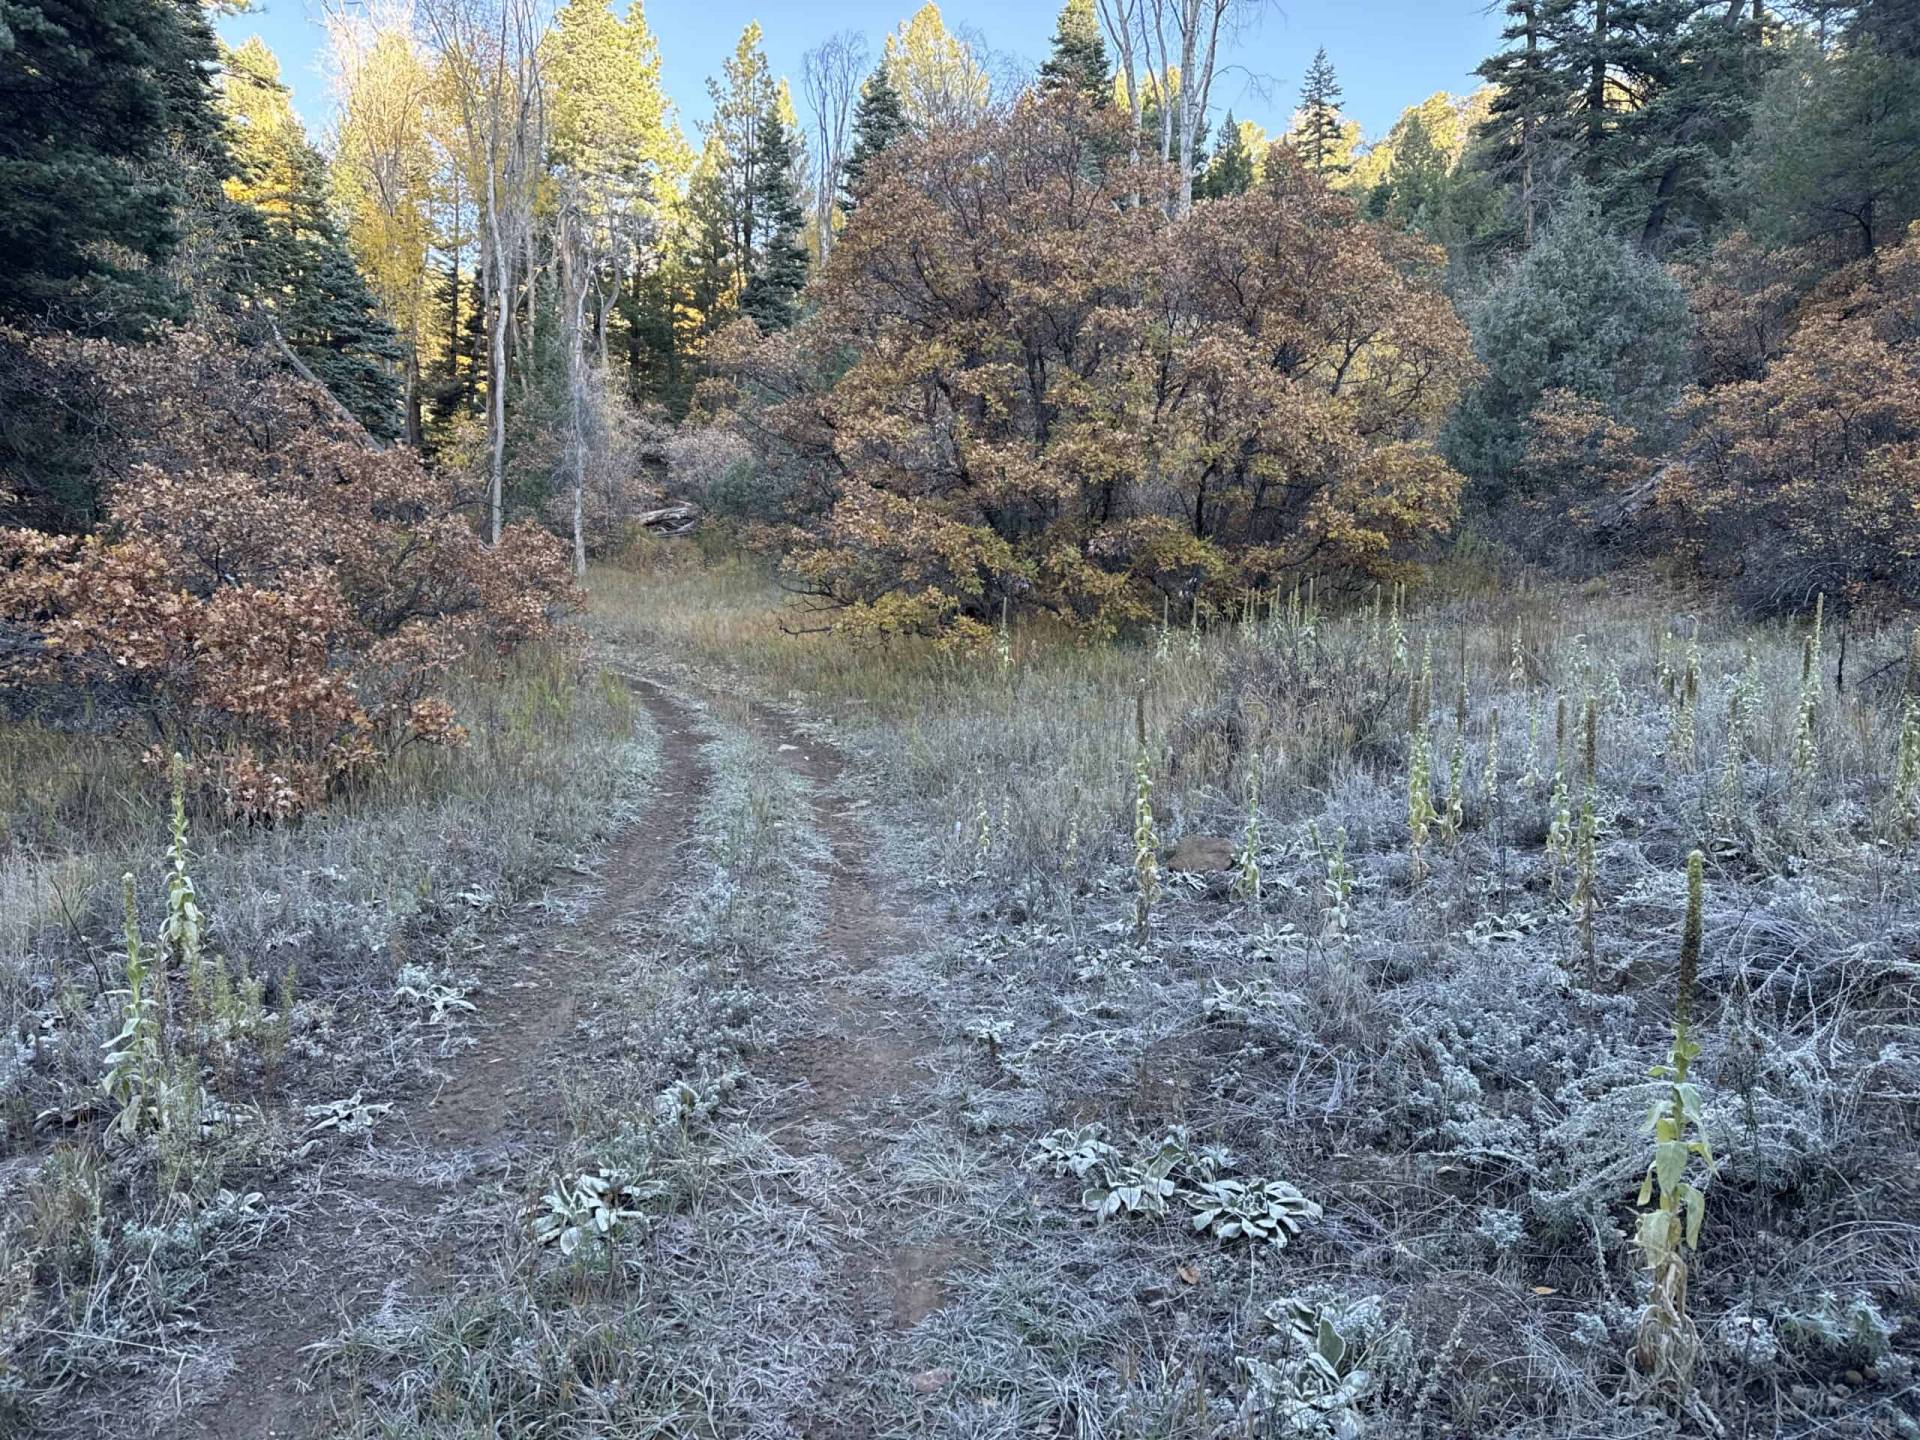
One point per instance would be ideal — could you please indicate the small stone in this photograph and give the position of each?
(1199, 853)
(929, 1381)
(1854, 1378)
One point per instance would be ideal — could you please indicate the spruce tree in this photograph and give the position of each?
(879, 122)
(333, 325)
(98, 99)
(1418, 182)
(1584, 311)
(1318, 132)
(1079, 59)
(1524, 138)
(1230, 171)
(777, 270)
(287, 257)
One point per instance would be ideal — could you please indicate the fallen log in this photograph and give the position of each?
(675, 519)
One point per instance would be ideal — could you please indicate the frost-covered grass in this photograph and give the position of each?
(1439, 1060)
(706, 1315)
(105, 1269)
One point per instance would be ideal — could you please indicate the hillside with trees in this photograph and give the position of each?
(941, 742)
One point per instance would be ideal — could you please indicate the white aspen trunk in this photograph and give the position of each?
(1117, 17)
(502, 301)
(573, 272)
(1183, 187)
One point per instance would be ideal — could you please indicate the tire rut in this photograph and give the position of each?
(503, 1098)
(854, 1077)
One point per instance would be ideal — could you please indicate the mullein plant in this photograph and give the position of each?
(1420, 812)
(1246, 880)
(1420, 691)
(1559, 803)
(1616, 691)
(184, 929)
(1806, 737)
(1586, 896)
(1146, 838)
(1673, 1199)
(1455, 818)
(1163, 642)
(138, 1075)
(1582, 663)
(1490, 764)
(1338, 885)
(982, 825)
(1906, 765)
(1530, 777)
(1681, 726)
(1730, 791)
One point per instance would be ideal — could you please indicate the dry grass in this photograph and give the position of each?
(105, 1260)
(1450, 1076)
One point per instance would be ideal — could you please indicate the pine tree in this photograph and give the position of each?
(453, 387)
(778, 268)
(1834, 154)
(743, 95)
(1693, 70)
(708, 265)
(1417, 182)
(1317, 133)
(99, 99)
(879, 123)
(288, 258)
(1230, 171)
(1525, 133)
(1079, 59)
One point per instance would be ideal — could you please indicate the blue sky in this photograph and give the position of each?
(1389, 53)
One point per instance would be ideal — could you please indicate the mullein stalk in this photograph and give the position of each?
(1673, 1205)
(1246, 882)
(1805, 759)
(1906, 764)
(1146, 839)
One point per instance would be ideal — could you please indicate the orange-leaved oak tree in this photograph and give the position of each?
(1024, 382)
(265, 591)
(1806, 478)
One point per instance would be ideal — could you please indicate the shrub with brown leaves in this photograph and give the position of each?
(267, 590)
(1039, 388)
(1806, 478)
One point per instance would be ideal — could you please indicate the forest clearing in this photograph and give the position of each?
(927, 743)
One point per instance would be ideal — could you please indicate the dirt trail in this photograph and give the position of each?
(502, 1099)
(855, 1075)
(846, 1082)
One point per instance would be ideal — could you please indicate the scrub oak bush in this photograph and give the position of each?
(1023, 381)
(1806, 476)
(265, 591)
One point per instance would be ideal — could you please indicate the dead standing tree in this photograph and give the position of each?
(830, 76)
(489, 56)
(1178, 42)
